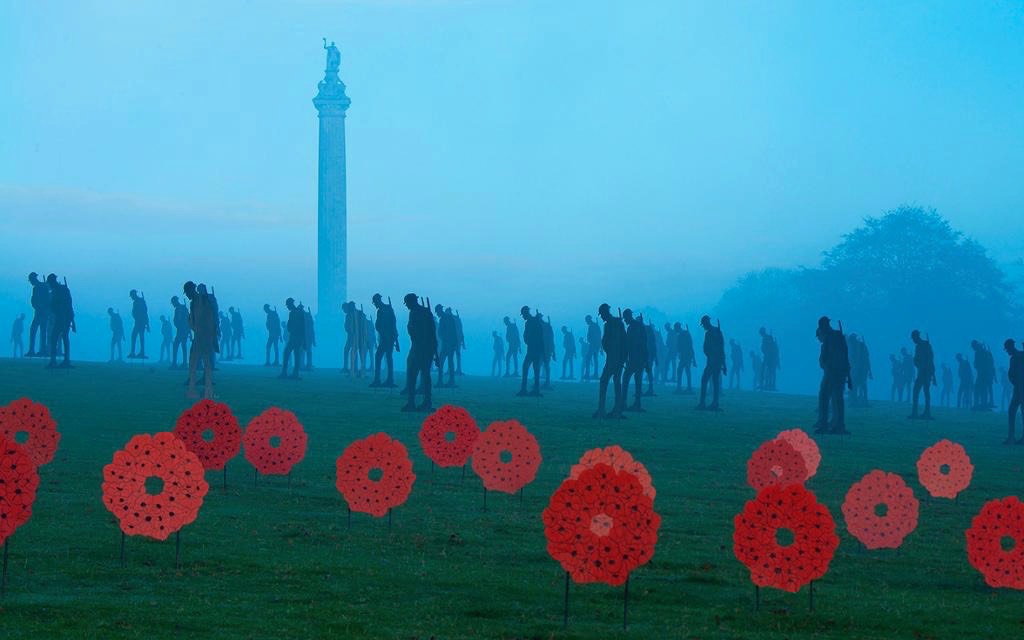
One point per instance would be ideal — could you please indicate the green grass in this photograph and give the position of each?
(274, 562)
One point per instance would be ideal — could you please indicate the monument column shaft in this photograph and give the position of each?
(332, 219)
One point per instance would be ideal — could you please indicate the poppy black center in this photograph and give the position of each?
(784, 537)
(375, 474)
(154, 485)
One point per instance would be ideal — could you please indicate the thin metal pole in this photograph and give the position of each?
(811, 595)
(625, 608)
(565, 613)
(757, 598)
(350, 517)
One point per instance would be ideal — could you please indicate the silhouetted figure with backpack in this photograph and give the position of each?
(687, 359)
(237, 333)
(756, 367)
(965, 392)
(116, 335)
(182, 331)
(166, 337)
(62, 318)
(568, 353)
(636, 359)
(651, 361)
(771, 359)
(834, 361)
(583, 349)
(668, 369)
(593, 354)
(715, 368)
(736, 358)
(614, 344)
(498, 347)
(386, 326)
(296, 339)
(140, 324)
(448, 336)
(985, 373)
(533, 337)
(860, 369)
(511, 348)
(40, 316)
(203, 323)
(924, 362)
(273, 324)
(1015, 375)
(946, 394)
(422, 352)
(18, 336)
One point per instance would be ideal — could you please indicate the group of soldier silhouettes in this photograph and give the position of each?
(53, 320)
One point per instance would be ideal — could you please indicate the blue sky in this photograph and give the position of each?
(553, 153)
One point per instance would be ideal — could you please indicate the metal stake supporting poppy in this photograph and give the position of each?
(3, 580)
(810, 593)
(625, 607)
(757, 598)
(349, 517)
(565, 613)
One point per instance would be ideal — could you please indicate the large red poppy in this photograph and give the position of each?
(944, 469)
(448, 421)
(995, 543)
(619, 459)
(176, 504)
(18, 483)
(601, 525)
(506, 456)
(274, 442)
(875, 492)
(785, 566)
(33, 419)
(375, 474)
(775, 462)
(807, 447)
(207, 416)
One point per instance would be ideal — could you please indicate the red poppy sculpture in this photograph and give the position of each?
(375, 474)
(807, 447)
(448, 436)
(619, 459)
(274, 442)
(506, 457)
(775, 462)
(995, 543)
(880, 510)
(18, 483)
(601, 525)
(23, 416)
(215, 418)
(785, 564)
(945, 469)
(155, 511)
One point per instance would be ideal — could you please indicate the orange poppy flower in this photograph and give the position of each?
(358, 465)
(217, 419)
(619, 459)
(944, 469)
(876, 490)
(995, 543)
(506, 457)
(274, 442)
(434, 436)
(775, 462)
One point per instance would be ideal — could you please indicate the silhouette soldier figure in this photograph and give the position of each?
(771, 359)
(907, 367)
(736, 359)
(965, 392)
(17, 336)
(860, 369)
(237, 333)
(422, 351)
(533, 337)
(512, 348)
(636, 359)
(896, 366)
(498, 346)
(1004, 381)
(308, 337)
(348, 353)
(140, 324)
(657, 356)
(225, 336)
(687, 358)
(40, 316)
(668, 370)
(460, 339)
(1015, 375)
(116, 335)
(296, 339)
(182, 331)
(984, 369)
(651, 362)
(202, 319)
(924, 362)
(62, 316)
(386, 325)
(591, 358)
(568, 353)
(583, 350)
(448, 336)
(166, 336)
(614, 344)
(273, 324)
(714, 352)
(834, 360)
(370, 333)
(756, 367)
(549, 348)
(946, 395)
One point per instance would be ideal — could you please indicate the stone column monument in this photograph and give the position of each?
(331, 103)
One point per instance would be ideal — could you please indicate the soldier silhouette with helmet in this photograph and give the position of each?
(511, 348)
(533, 337)
(422, 352)
(386, 326)
(273, 325)
(636, 359)
(203, 323)
(924, 362)
(296, 339)
(1015, 374)
(140, 324)
(834, 361)
(62, 321)
(613, 342)
(40, 316)
(687, 358)
(568, 354)
(715, 367)
(182, 331)
(116, 335)
(498, 347)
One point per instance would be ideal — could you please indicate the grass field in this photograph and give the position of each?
(278, 562)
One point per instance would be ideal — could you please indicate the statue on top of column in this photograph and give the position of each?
(333, 57)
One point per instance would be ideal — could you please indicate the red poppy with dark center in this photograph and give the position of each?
(619, 459)
(995, 543)
(375, 474)
(18, 483)
(154, 486)
(775, 462)
(213, 419)
(448, 436)
(29, 425)
(945, 469)
(880, 510)
(274, 442)
(600, 525)
(506, 457)
(786, 565)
